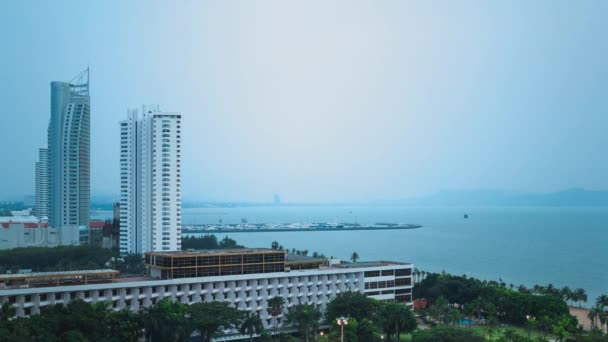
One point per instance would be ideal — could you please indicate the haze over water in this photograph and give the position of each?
(521, 245)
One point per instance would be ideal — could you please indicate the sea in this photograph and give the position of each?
(563, 246)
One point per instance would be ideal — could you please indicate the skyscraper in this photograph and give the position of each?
(41, 208)
(150, 181)
(69, 153)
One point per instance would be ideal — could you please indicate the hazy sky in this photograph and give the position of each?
(322, 100)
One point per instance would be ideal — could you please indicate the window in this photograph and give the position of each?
(404, 272)
(371, 274)
(388, 272)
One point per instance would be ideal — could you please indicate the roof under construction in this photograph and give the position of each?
(37, 279)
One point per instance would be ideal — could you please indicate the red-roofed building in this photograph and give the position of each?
(97, 224)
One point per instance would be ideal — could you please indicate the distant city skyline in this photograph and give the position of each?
(324, 102)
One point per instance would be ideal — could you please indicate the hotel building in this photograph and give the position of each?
(245, 278)
(150, 181)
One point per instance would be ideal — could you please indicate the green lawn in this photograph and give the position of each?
(498, 332)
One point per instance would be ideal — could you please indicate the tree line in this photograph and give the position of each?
(173, 321)
(208, 241)
(544, 308)
(52, 259)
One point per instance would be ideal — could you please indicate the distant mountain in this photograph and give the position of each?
(570, 197)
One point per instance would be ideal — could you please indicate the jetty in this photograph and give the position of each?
(290, 227)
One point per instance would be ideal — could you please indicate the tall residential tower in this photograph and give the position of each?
(41, 209)
(69, 154)
(150, 181)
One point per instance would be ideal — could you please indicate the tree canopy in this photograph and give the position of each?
(446, 334)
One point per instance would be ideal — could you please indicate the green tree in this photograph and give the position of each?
(62, 258)
(166, 321)
(454, 316)
(275, 308)
(602, 303)
(510, 335)
(366, 330)
(563, 328)
(227, 242)
(397, 318)
(446, 334)
(133, 264)
(492, 324)
(580, 296)
(305, 317)
(567, 294)
(251, 325)
(207, 241)
(124, 325)
(7, 311)
(210, 319)
(353, 305)
(354, 257)
(594, 314)
(275, 245)
(439, 309)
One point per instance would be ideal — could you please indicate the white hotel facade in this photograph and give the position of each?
(150, 181)
(307, 282)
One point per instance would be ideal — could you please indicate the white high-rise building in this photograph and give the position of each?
(41, 208)
(150, 181)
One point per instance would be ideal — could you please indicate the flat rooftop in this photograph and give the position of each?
(302, 258)
(52, 275)
(369, 264)
(216, 251)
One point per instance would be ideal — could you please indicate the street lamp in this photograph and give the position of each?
(342, 321)
(530, 321)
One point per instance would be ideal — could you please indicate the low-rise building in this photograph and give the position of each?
(246, 278)
(29, 231)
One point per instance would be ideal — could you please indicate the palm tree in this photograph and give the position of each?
(251, 325)
(354, 257)
(567, 294)
(603, 317)
(275, 304)
(602, 300)
(580, 296)
(594, 314)
(602, 303)
(397, 318)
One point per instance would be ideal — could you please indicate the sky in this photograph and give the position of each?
(322, 101)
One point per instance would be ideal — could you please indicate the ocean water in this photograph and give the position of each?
(521, 245)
